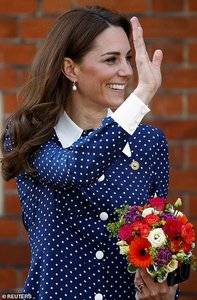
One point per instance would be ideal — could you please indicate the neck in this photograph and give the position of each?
(85, 115)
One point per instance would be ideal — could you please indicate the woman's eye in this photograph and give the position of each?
(111, 60)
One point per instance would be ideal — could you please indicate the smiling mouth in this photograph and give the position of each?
(116, 86)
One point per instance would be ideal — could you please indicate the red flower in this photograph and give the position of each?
(125, 232)
(186, 247)
(176, 244)
(140, 228)
(188, 233)
(158, 203)
(152, 219)
(182, 219)
(172, 228)
(139, 253)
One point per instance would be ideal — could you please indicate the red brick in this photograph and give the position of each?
(192, 104)
(12, 205)
(189, 284)
(163, 105)
(14, 255)
(172, 53)
(22, 275)
(179, 78)
(8, 228)
(184, 180)
(22, 77)
(10, 103)
(17, 6)
(10, 185)
(177, 129)
(193, 53)
(192, 153)
(23, 232)
(192, 4)
(8, 78)
(190, 297)
(52, 6)
(167, 5)
(193, 206)
(171, 27)
(35, 28)
(176, 156)
(8, 28)
(17, 54)
(8, 279)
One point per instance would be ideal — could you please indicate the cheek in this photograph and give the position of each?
(98, 74)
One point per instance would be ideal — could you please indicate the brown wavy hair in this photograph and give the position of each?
(47, 88)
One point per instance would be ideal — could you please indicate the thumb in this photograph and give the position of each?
(157, 58)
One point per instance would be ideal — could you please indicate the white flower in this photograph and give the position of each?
(147, 211)
(172, 265)
(157, 237)
(123, 247)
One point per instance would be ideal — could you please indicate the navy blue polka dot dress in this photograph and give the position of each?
(67, 205)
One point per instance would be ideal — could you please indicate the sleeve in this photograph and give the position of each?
(161, 167)
(177, 294)
(130, 113)
(84, 161)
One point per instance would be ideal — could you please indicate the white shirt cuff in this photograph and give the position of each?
(130, 113)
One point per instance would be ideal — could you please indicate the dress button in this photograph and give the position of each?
(99, 254)
(135, 165)
(98, 296)
(103, 216)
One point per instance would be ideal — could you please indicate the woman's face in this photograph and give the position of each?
(105, 70)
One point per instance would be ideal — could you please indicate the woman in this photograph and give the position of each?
(77, 152)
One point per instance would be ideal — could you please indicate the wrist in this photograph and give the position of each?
(144, 93)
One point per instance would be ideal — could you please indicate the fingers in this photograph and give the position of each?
(153, 288)
(138, 39)
(144, 292)
(157, 58)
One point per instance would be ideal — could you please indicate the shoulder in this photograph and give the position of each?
(150, 132)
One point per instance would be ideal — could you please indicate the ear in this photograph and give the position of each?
(70, 69)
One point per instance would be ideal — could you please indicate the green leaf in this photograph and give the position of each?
(131, 269)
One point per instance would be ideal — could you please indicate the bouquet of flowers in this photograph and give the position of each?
(156, 236)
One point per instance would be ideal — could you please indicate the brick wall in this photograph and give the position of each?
(168, 24)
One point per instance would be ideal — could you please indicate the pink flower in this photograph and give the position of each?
(158, 203)
(125, 232)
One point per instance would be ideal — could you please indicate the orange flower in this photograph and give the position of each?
(188, 233)
(139, 253)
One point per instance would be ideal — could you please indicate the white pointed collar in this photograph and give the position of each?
(68, 131)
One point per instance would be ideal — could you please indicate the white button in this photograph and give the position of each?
(99, 254)
(103, 216)
(98, 297)
(101, 178)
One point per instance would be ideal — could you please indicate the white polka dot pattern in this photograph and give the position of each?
(65, 206)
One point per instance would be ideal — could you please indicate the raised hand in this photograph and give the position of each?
(149, 72)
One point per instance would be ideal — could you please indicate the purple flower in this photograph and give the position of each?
(164, 256)
(168, 216)
(133, 215)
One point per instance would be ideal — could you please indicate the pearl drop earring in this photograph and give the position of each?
(74, 87)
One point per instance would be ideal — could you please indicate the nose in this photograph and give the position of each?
(125, 69)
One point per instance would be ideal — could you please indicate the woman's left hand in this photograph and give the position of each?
(153, 290)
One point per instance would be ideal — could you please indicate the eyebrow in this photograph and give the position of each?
(114, 53)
